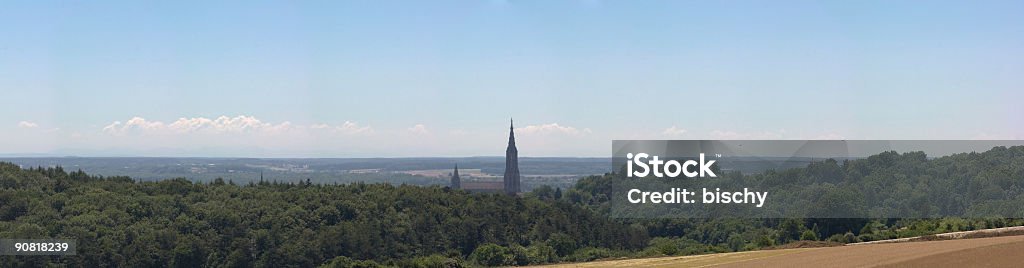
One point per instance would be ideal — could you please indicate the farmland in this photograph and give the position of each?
(988, 252)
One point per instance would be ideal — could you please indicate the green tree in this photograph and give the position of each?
(492, 255)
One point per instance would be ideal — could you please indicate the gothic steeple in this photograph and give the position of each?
(456, 181)
(511, 177)
(511, 135)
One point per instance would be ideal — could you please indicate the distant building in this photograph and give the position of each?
(510, 183)
(511, 177)
(476, 186)
(483, 186)
(456, 181)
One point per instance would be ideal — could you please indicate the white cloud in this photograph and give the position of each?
(193, 124)
(27, 124)
(353, 128)
(239, 134)
(222, 124)
(419, 129)
(673, 131)
(133, 124)
(553, 128)
(226, 124)
(348, 127)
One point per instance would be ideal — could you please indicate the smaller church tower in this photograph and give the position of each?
(456, 181)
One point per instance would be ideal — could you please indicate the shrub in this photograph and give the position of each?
(809, 235)
(434, 261)
(590, 254)
(541, 253)
(664, 246)
(846, 238)
(850, 238)
(765, 241)
(736, 242)
(563, 244)
(867, 237)
(492, 255)
(346, 262)
(519, 255)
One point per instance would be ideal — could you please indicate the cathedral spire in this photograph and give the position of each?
(511, 177)
(511, 134)
(456, 182)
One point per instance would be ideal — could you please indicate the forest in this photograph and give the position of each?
(121, 221)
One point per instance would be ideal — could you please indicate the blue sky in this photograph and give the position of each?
(441, 78)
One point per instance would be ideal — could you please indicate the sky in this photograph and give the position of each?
(443, 78)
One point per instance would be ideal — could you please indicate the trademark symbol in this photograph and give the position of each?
(718, 155)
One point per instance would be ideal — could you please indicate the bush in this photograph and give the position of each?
(809, 235)
(649, 252)
(850, 238)
(868, 237)
(541, 253)
(846, 238)
(346, 262)
(590, 254)
(693, 247)
(434, 261)
(519, 255)
(736, 242)
(492, 255)
(765, 241)
(790, 229)
(563, 244)
(664, 246)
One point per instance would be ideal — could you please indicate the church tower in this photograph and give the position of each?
(511, 163)
(456, 181)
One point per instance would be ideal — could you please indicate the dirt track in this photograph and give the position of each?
(1007, 251)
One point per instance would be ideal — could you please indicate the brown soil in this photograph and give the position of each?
(682, 261)
(1002, 255)
(1007, 251)
(1004, 251)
